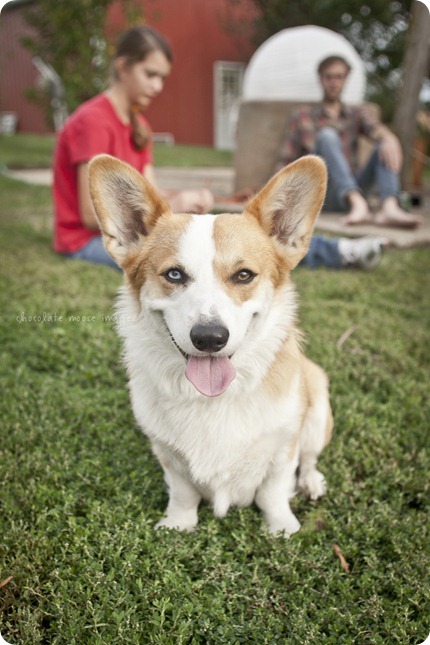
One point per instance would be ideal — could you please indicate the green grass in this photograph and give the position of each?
(186, 156)
(80, 489)
(35, 151)
(26, 150)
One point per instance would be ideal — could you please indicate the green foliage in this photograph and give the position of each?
(70, 36)
(189, 156)
(26, 150)
(355, 18)
(80, 489)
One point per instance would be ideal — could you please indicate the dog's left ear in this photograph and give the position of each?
(288, 205)
(126, 205)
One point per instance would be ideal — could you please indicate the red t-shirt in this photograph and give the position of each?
(94, 128)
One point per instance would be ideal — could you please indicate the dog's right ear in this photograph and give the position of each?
(126, 204)
(288, 205)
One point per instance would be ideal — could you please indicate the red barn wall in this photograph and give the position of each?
(199, 33)
(17, 72)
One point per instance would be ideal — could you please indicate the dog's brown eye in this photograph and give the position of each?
(244, 276)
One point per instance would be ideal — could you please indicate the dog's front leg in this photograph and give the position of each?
(184, 499)
(273, 496)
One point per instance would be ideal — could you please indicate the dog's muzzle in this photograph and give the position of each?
(210, 374)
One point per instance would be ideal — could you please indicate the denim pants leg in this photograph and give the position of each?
(375, 172)
(95, 252)
(341, 179)
(322, 252)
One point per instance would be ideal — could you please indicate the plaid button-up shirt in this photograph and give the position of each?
(307, 120)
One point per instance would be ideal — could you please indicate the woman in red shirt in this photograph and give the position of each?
(112, 123)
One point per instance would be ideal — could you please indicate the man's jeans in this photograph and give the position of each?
(341, 178)
(322, 252)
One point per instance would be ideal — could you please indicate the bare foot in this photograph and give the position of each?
(392, 215)
(359, 213)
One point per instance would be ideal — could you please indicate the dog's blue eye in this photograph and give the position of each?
(176, 276)
(245, 276)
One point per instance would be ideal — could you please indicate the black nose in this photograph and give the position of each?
(209, 338)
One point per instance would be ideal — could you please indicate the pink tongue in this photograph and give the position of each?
(210, 375)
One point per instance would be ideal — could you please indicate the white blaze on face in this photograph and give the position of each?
(196, 254)
(192, 302)
(201, 302)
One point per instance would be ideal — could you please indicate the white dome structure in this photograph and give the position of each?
(284, 68)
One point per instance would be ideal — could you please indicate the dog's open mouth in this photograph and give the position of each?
(211, 375)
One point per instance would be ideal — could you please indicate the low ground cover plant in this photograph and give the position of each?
(80, 491)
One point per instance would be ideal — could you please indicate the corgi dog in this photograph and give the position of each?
(217, 377)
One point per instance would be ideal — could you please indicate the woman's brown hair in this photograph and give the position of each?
(134, 45)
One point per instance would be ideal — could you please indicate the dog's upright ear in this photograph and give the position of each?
(126, 204)
(288, 205)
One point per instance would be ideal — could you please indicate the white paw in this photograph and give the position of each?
(287, 526)
(313, 484)
(176, 524)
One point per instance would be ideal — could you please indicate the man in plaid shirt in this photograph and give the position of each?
(331, 130)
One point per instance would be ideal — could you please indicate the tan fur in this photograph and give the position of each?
(329, 428)
(239, 248)
(285, 368)
(126, 204)
(149, 262)
(289, 214)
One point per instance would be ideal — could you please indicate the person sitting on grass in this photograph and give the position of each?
(112, 123)
(331, 129)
